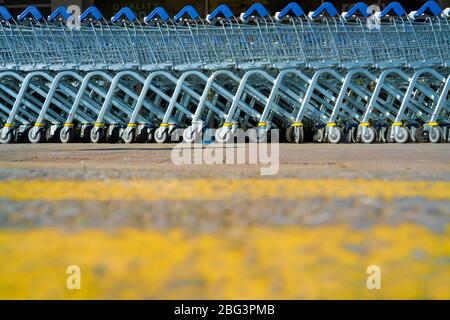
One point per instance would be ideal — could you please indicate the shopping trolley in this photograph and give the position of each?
(339, 76)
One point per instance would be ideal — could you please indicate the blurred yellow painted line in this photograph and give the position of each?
(214, 189)
(258, 263)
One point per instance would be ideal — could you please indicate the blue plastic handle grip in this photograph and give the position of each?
(91, 11)
(224, 10)
(360, 7)
(31, 10)
(190, 11)
(292, 8)
(125, 11)
(255, 8)
(395, 8)
(327, 7)
(430, 6)
(60, 11)
(158, 12)
(6, 15)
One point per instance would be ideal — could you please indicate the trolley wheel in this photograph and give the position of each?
(190, 135)
(355, 136)
(290, 134)
(261, 135)
(368, 135)
(222, 135)
(383, 134)
(21, 137)
(421, 135)
(53, 138)
(319, 135)
(85, 134)
(435, 134)
(161, 135)
(114, 137)
(335, 135)
(352, 135)
(7, 137)
(150, 136)
(412, 134)
(401, 134)
(129, 135)
(35, 136)
(445, 134)
(67, 135)
(389, 137)
(48, 136)
(299, 135)
(97, 135)
(143, 136)
(251, 135)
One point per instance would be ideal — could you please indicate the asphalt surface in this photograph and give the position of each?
(151, 161)
(140, 226)
(87, 162)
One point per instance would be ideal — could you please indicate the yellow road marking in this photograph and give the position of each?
(258, 263)
(204, 189)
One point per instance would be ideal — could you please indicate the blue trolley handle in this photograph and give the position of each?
(157, 13)
(430, 6)
(5, 14)
(395, 8)
(30, 11)
(223, 10)
(255, 8)
(292, 9)
(327, 7)
(91, 11)
(360, 7)
(187, 10)
(124, 12)
(60, 11)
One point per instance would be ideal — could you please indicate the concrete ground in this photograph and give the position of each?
(152, 161)
(142, 227)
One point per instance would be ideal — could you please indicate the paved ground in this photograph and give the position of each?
(141, 227)
(151, 161)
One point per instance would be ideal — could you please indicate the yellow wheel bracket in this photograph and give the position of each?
(68, 124)
(364, 124)
(397, 124)
(9, 125)
(331, 124)
(227, 124)
(132, 125)
(164, 125)
(39, 124)
(297, 124)
(262, 124)
(433, 124)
